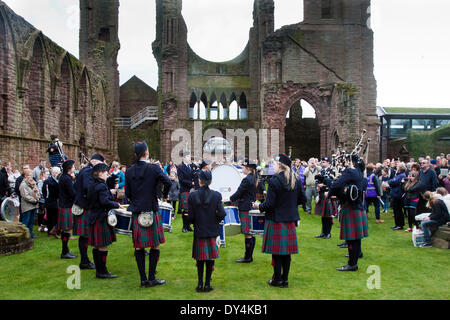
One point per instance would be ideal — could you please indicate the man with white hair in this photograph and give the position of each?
(50, 192)
(310, 182)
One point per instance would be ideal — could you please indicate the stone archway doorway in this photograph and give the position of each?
(302, 132)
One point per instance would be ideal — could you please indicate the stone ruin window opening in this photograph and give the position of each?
(170, 31)
(213, 108)
(104, 35)
(3, 73)
(307, 110)
(243, 107)
(327, 9)
(218, 109)
(223, 111)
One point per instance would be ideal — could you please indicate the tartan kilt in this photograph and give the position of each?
(101, 234)
(149, 237)
(65, 219)
(81, 226)
(245, 222)
(354, 224)
(280, 238)
(205, 249)
(326, 208)
(183, 206)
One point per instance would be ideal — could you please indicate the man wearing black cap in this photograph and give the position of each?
(141, 183)
(284, 195)
(205, 212)
(80, 225)
(205, 166)
(66, 199)
(245, 195)
(325, 207)
(186, 179)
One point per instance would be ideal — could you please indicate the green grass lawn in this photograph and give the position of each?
(406, 272)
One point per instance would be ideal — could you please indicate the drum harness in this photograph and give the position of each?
(145, 219)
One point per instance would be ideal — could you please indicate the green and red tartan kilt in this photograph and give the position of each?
(101, 234)
(354, 224)
(149, 237)
(245, 222)
(326, 208)
(183, 205)
(65, 219)
(205, 249)
(280, 238)
(81, 226)
(234, 204)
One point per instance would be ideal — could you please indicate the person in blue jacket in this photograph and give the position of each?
(284, 195)
(245, 196)
(141, 188)
(396, 185)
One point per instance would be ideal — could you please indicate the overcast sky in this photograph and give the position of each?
(412, 47)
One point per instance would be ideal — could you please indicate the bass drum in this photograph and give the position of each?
(10, 209)
(226, 180)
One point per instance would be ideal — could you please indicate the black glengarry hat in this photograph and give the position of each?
(205, 176)
(98, 157)
(67, 165)
(284, 159)
(101, 167)
(250, 164)
(140, 148)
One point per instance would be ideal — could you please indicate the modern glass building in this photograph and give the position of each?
(395, 123)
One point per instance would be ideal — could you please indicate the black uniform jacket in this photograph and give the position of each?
(185, 177)
(245, 194)
(66, 191)
(141, 186)
(100, 201)
(82, 184)
(350, 176)
(281, 203)
(50, 191)
(205, 212)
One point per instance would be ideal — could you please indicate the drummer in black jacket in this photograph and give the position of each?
(245, 196)
(81, 227)
(186, 179)
(66, 198)
(101, 235)
(205, 213)
(285, 193)
(50, 191)
(141, 181)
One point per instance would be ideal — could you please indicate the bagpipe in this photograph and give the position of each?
(342, 160)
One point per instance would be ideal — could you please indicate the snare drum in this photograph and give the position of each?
(124, 222)
(221, 238)
(232, 217)
(10, 209)
(257, 222)
(166, 210)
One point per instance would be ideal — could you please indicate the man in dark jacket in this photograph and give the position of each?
(50, 192)
(186, 179)
(141, 181)
(438, 217)
(429, 182)
(5, 190)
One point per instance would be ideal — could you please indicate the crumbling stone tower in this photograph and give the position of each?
(99, 47)
(326, 60)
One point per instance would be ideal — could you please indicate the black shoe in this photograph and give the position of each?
(285, 284)
(208, 288)
(274, 283)
(321, 236)
(397, 228)
(106, 275)
(146, 252)
(156, 282)
(199, 288)
(343, 245)
(189, 229)
(145, 284)
(348, 268)
(328, 236)
(360, 255)
(185, 230)
(87, 266)
(245, 260)
(68, 255)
